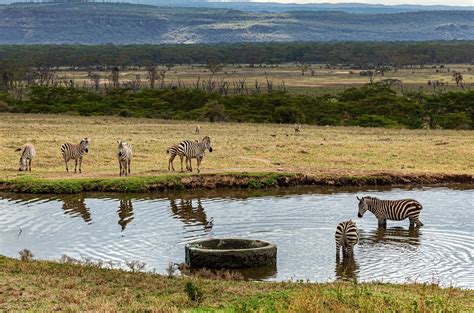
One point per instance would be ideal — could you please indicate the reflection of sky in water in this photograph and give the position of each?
(155, 231)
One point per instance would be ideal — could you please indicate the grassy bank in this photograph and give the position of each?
(47, 286)
(35, 185)
(252, 155)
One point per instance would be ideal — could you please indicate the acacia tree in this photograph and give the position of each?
(458, 78)
(303, 67)
(214, 66)
(152, 74)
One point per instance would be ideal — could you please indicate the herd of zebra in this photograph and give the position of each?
(347, 235)
(187, 149)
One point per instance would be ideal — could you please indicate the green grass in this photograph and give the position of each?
(48, 286)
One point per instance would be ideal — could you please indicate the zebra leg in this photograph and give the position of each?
(66, 160)
(190, 164)
(198, 164)
(80, 165)
(30, 164)
(129, 167)
(75, 167)
(182, 163)
(120, 165)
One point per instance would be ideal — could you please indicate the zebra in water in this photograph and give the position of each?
(194, 149)
(75, 152)
(124, 156)
(173, 152)
(395, 210)
(28, 152)
(347, 237)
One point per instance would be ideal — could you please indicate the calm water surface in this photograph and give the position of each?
(153, 228)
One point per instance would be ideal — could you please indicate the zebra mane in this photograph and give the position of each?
(370, 198)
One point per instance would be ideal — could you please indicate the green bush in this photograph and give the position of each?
(286, 114)
(367, 120)
(458, 120)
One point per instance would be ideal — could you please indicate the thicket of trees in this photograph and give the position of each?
(374, 105)
(356, 53)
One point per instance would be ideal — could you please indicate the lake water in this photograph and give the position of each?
(154, 228)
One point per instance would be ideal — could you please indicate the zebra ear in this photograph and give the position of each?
(358, 198)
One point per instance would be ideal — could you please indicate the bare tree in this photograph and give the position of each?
(95, 80)
(458, 78)
(214, 66)
(152, 74)
(303, 67)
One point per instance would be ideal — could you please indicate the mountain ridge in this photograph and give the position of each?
(123, 23)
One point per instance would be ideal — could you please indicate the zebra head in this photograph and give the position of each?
(85, 144)
(363, 206)
(121, 148)
(207, 143)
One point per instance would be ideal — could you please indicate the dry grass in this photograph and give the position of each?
(49, 286)
(324, 80)
(237, 147)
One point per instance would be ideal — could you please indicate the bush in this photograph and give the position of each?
(458, 120)
(286, 114)
(194, 292)
(367, 120)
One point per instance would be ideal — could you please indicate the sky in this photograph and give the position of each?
(387, 2)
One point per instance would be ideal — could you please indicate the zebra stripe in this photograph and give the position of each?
(124, 156)
(347, 237)
(28, 152)
(75, 152)
(194, 149)
(173, 152)
(395, 210)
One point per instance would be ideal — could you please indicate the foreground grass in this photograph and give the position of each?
(47, 286)
(252, 148)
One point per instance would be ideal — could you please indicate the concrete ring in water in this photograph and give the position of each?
(230, 253)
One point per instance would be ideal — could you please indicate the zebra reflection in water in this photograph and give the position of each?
(398, 235)
(125, 213)
(347, 268)
(190, 215)
(76, 206)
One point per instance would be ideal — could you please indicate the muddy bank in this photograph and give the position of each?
(226, 180)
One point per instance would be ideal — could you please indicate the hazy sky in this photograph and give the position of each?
(425, 2)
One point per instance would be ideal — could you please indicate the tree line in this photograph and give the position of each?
(357, 54)
(373, 105)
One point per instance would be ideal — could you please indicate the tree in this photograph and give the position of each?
(303, 67)
(214, 66)
(152, 75)
(458, 78)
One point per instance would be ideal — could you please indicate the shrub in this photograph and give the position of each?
(194, 292)
(286, 114)
(458, 120)
(368, 120)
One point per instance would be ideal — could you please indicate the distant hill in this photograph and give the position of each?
(250, 6)
(102, 23)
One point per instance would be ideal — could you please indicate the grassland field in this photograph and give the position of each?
(252, 148)
(325, 80)
(51, 286)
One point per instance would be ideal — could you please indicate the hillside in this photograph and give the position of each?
(102, 23)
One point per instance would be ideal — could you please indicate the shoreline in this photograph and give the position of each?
(41, 285)
(137, 184)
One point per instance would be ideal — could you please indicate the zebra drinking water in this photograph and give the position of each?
(75, 152)
(124, 156)
(28, 152)
(395, 210)
(192, 149)
(347, 237)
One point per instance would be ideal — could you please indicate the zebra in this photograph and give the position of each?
(28, 152)
(124, 156)
(297, 128)
(395, 210)
(75, 152)
(192, 149)
(173, 152)
(197, 130)
(347, 237)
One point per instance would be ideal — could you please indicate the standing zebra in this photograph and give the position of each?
(347, 237)
(75, 152)
(395, 210)
(28, 152)
(173, 152)
(197, 130)
(124, 156)
(192, 149)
